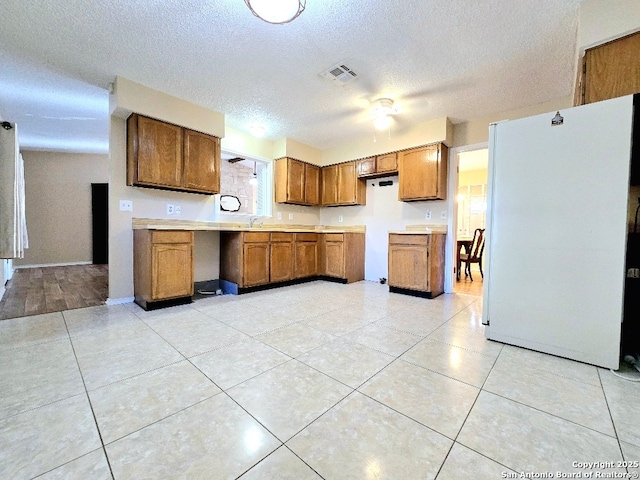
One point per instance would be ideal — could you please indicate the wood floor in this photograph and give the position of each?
(33, 291)
(468, 287)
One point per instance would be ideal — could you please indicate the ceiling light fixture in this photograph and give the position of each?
(382, 122)
(257, 130)
(276, 11)
(382, 110)
(254, 179)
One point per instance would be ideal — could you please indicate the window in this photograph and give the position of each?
(472, 209)
(235, 179)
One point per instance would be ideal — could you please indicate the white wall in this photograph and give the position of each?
(383, 212)
(605, 20)
(432, 131)
(58, 205)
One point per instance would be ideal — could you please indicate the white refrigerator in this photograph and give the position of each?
(557, 231)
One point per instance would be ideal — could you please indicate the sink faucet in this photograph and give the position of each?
(252, 221)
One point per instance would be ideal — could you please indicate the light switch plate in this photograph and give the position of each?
(291, 216)
(279, 215)
(126, 206)
(443, 215)
(176, 209)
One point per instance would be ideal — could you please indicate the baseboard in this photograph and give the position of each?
(44, 265)
(119, 301)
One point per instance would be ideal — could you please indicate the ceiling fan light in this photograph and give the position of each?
(382, 122)
(383, 107)
(276, 11)
(254, 178)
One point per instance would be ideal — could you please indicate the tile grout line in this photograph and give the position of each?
(95, 420)
(455, 440)
(615, 430)
(223, 391)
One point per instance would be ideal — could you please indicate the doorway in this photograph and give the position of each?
(100, 222)
(470, 201)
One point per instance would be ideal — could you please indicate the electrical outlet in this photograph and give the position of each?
(443, 215)
(170, 209)
(339, 218)
(427, 215)
(279, 215)
(126, 206)
(291, 216)
(176, 209)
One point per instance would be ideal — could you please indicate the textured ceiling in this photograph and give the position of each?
(457, 58)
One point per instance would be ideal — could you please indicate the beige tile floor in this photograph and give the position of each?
(312, 381)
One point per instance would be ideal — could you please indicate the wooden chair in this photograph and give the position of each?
(474, 254)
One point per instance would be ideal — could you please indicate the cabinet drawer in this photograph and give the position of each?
(306, 237)
(281, 237)
(256, 237)
(334, 237)
(402, 239)
(172, 236)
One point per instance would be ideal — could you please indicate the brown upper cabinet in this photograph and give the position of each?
(423, 173)
(200, 173)
(378, 166)
(297, 182)
(163, 155)
(341, 185)
(610, 70)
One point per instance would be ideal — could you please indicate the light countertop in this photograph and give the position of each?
(193, 225)
(421, 230)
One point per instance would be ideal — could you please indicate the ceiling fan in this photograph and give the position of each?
(383, 109)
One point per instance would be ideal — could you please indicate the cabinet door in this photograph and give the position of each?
(347, 183)
(172, 271)
(281, 262)
(295, 181)
(387, 163)
(334, 259)
(306, 260)
(330, 185)
(201, 162)
(255, 264)
(419, 173)
(408, 267)
(311, 184)
(367, 166)
(612, 69)
(159, 153)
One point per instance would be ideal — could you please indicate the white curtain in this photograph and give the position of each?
(13, 224)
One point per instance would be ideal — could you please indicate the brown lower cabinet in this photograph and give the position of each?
(281, 262)
(416, 263)
(245, 258)
(306, 255)
(252, 259)
(342, 256)
(163, 267)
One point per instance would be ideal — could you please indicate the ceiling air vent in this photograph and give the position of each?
(339, 74)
